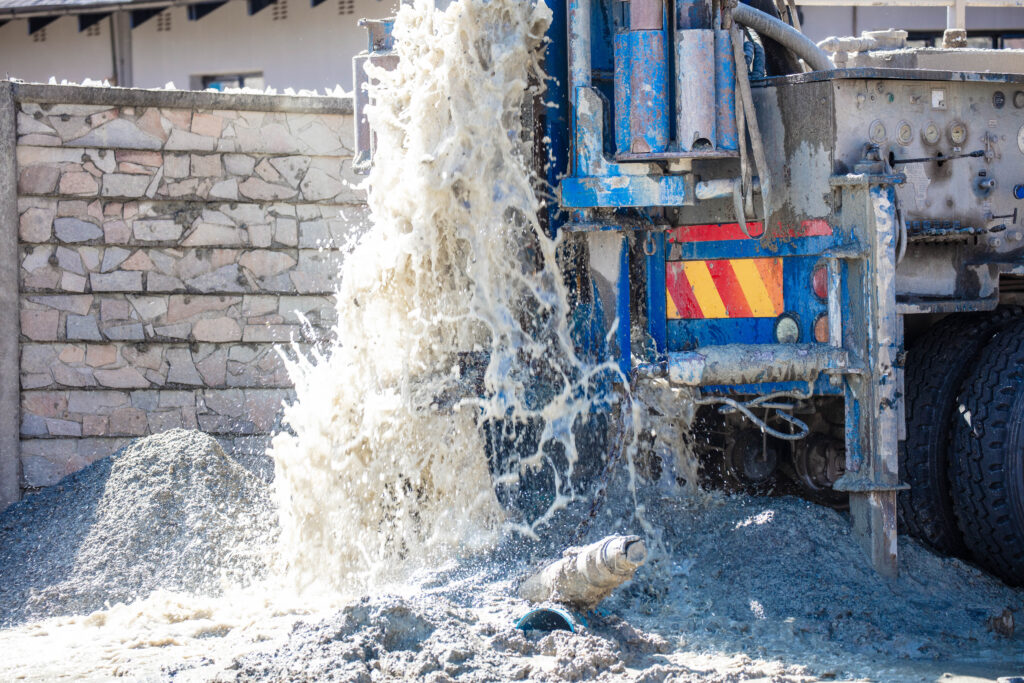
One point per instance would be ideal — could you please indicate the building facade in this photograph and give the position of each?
(286, 44)
(296, 44)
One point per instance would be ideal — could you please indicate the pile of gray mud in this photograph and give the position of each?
(170, 511)
(738, 589)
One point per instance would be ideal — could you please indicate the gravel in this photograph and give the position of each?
(170, 511)
(736, 588)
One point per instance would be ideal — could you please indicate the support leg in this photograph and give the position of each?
(874, 395)
(874, 525)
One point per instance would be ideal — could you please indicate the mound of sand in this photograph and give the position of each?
(170, 511)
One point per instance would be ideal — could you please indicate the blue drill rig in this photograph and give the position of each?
(827, 258)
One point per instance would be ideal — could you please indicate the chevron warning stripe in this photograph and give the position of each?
(725, 288)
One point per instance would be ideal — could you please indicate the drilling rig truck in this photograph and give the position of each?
(822, 242)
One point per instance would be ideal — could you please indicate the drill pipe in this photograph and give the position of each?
(585, 576)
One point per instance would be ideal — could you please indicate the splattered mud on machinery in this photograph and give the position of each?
(438, 454)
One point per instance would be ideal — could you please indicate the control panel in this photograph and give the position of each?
(960, 145)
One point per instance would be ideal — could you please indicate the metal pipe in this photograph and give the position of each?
(835, 302)
(746, 100)
(720, 188)
(753, 363)
(585, 576)
(802, 46)
(579, 45)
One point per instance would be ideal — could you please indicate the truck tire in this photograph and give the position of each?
(936, 367)
(987, 470)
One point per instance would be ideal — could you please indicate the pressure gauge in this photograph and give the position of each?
(1018, 99)
(1020, 139)
(877, 132)
(904, 133)
(957, 133)
(931, 133)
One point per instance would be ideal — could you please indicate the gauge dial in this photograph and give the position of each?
(1020, 139)
(957, 133)
(904, 133)
(877, 132)
(931, 133)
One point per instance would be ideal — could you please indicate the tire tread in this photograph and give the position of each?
(988, 502)
(936, 367)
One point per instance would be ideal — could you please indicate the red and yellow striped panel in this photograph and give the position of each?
(725, 288)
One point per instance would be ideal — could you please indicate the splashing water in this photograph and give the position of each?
(388, 466)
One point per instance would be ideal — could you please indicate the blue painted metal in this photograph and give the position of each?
(379, 36)
(820, 387)
(594, 180)
(727, 134)
(641, 91)
(556, 111)
(686, 335)
(624, 191)
(803, 246)
(610, 57)
(854, 446)
(657, 329)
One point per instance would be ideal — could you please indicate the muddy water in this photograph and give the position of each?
(387, 468)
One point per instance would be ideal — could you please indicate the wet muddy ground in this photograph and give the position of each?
(736, 588)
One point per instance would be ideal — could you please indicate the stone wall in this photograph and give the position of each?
(170, 244)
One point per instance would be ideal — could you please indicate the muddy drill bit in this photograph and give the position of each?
(585, 576)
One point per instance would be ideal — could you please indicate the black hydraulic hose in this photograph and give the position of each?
(802, 46)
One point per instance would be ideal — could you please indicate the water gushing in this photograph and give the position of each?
(388, 466)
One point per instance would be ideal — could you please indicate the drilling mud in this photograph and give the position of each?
(736, 588)
(170, 512)
(393, 539)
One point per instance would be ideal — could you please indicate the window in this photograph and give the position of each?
(251, 79)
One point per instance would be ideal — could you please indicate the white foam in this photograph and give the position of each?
(375, 481)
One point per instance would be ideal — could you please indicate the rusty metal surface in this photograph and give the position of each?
(753, 363)
(646, 14)
(696, 105)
